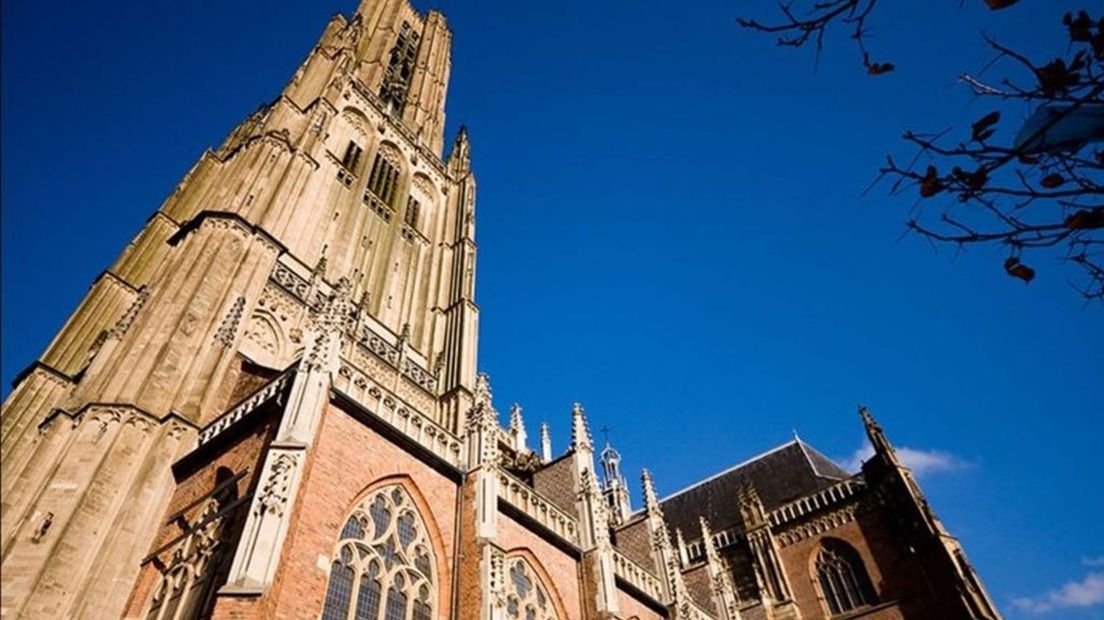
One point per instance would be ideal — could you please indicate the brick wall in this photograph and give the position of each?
(348, 461)
(557, 482)
(630, 608)
(892, 577)
(635, 541)
(558, 571)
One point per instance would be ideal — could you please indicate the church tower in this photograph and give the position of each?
(330, 210)
(268, 407)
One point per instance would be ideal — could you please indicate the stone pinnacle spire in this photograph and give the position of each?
(517, 427)
(545, 442)
(876, 435)
(580, 433)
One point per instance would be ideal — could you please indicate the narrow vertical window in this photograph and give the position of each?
(339, 592)
(413, 211)
(352, 156)
(383, 182)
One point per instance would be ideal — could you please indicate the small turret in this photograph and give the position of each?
(614, 487)
(545, 443)
(517, 429)
(459, 159)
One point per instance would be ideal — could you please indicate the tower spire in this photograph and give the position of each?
(459, 158)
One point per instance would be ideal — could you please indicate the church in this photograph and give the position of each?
(270, 406)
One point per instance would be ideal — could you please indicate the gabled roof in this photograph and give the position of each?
(779, 475)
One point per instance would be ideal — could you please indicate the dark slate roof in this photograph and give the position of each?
(780, 475)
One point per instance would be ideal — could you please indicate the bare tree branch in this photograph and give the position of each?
(1039, 186)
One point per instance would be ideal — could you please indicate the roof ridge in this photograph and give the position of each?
(732, 469)
(805, 451)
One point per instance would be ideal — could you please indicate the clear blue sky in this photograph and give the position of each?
(671, 231)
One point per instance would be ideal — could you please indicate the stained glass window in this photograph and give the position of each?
(526, 597)
(842, 577)
(383, 562)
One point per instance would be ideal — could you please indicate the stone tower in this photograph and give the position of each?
(329, 210)
(268, 407)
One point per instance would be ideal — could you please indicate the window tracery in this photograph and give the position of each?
(842, 577)
(188, 582)
(383, 567)
(526, 596)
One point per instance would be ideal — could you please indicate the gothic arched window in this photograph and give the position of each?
(526, 596)
(842, 577)
(188, 582)
(383, 567)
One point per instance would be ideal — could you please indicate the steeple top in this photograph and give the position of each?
(545, 442)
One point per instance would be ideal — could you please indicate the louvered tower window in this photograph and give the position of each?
(400, 68)
(383, 567)
(842, 577)
(383, 181)
(352, 156)
(413, 211)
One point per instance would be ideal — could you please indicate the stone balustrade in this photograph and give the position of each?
(521, 496)
(821, 499)
(637, 576)
(245, 407)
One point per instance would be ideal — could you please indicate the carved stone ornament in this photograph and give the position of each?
(125, 321)
(273, 496)
(228, 329)
(497, 577)
(520, 462)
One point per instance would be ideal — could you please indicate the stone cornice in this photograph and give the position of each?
(45, 368)
(123, 412)
(233, 218)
